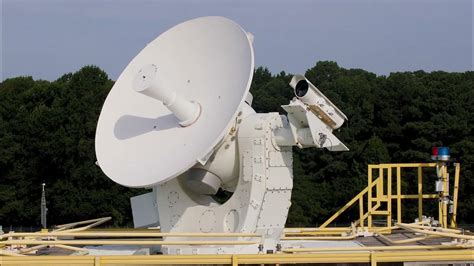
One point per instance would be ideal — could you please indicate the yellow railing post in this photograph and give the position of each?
(361, 211)
(442, 207)
(373, 258)
(369, 198)
(389, 197)
(235, 260)
(445, 196)
(97, 261)
(399, 195)
(420, 194)
(380, 185)
(455, 194)
(440, 212)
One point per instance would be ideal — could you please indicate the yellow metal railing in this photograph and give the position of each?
(373, 257)
(64, 237)
(383, 185)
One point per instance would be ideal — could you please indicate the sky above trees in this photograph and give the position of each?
(47, 38)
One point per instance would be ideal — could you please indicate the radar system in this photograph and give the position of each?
(179, 121)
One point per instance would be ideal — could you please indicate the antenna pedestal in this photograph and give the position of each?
(259, 204)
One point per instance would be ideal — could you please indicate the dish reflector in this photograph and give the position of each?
(208, 61)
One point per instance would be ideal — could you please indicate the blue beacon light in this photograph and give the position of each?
(440, 154)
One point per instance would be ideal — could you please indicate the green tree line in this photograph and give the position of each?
(47, 131)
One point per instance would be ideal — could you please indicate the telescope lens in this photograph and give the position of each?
(301, 88)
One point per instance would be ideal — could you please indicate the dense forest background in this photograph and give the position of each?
(47, 132)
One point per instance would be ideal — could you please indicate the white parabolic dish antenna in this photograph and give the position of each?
(206, 63)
